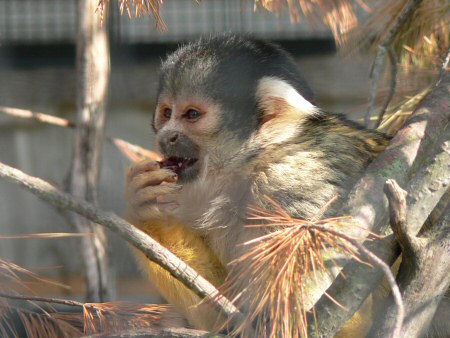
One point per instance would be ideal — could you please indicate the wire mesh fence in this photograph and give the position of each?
(54, 21)
(37, 21)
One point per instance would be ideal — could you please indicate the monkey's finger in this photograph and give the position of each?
(167, 198)
(151, 211)
(141, 167)
(150, 193)
(151, 178)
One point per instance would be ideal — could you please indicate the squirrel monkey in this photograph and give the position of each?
(235, 122)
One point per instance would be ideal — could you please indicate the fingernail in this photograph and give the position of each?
(172, 177)
(154, 165)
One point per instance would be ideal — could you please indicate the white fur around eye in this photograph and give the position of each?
(270, 88)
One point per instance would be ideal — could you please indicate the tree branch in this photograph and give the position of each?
(384, 46)
(423, 277)
(392, 87)
(30, 115)
(396, 327)
(422, 136)
(151, 248)
(157, 332)
(374, 78)
(42, 299)
(419, 147)
(397, 213)
(92, 65)
(445, 65)
(131, 151)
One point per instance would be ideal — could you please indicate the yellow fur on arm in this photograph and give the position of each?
(192, 250)
(359, 324)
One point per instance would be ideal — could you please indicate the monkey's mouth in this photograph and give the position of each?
(178, 164)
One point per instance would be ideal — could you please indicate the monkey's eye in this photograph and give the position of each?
(192, 114)
(167, 113)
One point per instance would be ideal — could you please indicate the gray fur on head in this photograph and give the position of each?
(228, 68)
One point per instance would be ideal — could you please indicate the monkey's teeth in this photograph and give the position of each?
(178, 164)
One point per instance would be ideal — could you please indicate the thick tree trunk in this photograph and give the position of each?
(92, 83)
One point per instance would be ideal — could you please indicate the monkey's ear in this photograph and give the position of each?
(277, 99)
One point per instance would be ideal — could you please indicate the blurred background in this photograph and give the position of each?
(37, 73)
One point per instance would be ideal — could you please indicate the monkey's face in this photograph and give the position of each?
(185, 128)
(214, 96)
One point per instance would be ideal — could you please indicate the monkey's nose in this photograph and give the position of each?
(173, 138)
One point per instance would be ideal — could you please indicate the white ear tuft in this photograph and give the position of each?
(273, 89)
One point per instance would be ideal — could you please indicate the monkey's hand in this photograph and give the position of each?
(150, 191)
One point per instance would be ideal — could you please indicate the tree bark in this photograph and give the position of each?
(92, 82)
(424, 274)
(161, 333)
(420, 147)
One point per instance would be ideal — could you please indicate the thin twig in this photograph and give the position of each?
(375, 74)
(129, 150)
(151, 248)
(384, 267)
(445, 66)
(43, 299)
(45, 235)
(381, 54)
(28, 114)
(393, 85)
(397, 213)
